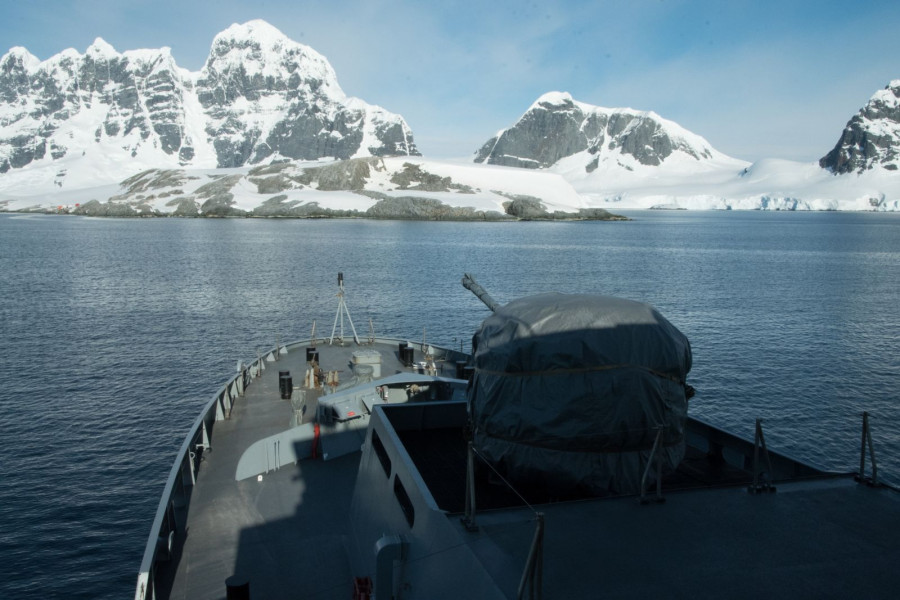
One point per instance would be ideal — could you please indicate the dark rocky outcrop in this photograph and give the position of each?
(414, 177)
(530, 208)
(218, 201)
(94, 208)
(871, 138)
(556, 127)
(424, 209)
(184, 207)
(280, 206)
(153, 180)
(344, 175)
(525, 207)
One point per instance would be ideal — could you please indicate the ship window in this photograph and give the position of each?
(405, 503)
(381, 453)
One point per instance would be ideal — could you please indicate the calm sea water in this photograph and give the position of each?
(114, 333)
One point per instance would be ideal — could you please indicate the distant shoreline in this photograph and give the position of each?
(395, 208)
(571, 217)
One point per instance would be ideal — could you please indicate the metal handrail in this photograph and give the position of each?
(531, 586)
(759, 443)
(867, 440)
(199, 434)
(656, 452)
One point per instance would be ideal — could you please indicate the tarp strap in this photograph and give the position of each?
(577, 370)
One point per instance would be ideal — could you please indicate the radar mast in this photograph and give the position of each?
(339, 317)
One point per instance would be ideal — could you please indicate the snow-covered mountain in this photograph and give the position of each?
(871, 138)
(557, 127)
(621, 158)
(260, 96)
(264, 129)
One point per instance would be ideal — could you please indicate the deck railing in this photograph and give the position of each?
(172, 509)
(176, 494)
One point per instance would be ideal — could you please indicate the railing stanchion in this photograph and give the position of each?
(468, 519)
(656, 453)
(867, 441)
(759, 442)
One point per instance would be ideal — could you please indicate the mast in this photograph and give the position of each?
(341, 311)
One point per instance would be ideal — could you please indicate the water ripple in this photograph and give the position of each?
(115, 332)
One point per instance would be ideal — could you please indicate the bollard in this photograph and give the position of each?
(237, 587)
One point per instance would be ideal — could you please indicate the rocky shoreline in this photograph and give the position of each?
(403, 208)
(370, 187)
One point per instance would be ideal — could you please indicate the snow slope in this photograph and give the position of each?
(325, 184)
(721, 185)
(620, 158)
(769, 184)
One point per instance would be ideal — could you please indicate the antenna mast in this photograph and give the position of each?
(341, 311)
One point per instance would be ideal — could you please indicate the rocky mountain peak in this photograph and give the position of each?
(255, 56)
(101, 49)
(255, 31)
(554, 101)
(256, 41)
(19, 57)
(15, 68)
(871, 138)
(556, 126)
(259, 97)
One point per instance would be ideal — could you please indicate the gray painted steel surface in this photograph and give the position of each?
(391, 513)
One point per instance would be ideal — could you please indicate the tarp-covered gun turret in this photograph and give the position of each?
(578, 391)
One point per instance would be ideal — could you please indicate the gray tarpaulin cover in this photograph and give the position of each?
(569, 389)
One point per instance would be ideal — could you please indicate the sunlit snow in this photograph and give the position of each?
(96, 146)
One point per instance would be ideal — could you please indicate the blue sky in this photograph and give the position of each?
(758, 79)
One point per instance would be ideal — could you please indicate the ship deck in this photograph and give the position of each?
(827, 538)
(287, 533)
(284, 532)
(814, 535)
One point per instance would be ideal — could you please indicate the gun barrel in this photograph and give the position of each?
(470, 284)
